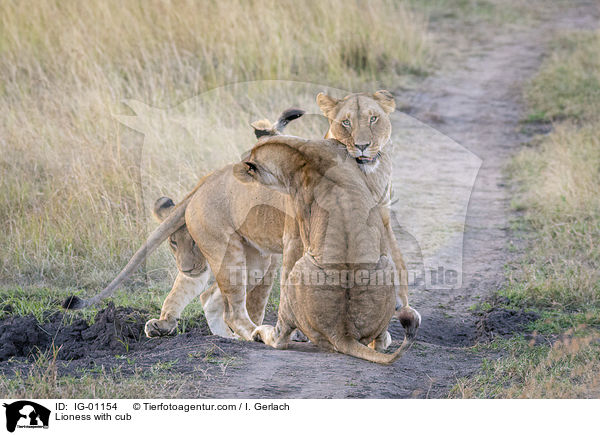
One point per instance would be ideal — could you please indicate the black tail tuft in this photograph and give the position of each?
(73, 303)
(287, 116)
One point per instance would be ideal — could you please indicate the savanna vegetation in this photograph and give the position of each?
(70, 196)
(556, 178)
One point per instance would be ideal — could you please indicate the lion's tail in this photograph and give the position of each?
(264, 127)
(173, 222)
(354, 348)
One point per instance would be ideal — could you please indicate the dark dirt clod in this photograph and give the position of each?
(19, 337)
(501, 322)
(114, 331)
(72, 303)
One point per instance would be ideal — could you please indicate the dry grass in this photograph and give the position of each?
(70, 198)
(568, 86)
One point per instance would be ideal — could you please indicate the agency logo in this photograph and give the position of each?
(24, 414)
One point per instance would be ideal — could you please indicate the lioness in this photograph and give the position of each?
(239, 227)
(342, 232)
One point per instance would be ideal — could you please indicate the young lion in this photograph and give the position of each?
(192, 266)
(342, 233)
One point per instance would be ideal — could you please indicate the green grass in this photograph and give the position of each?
(556, 322)
(556, 178)
(43, 302)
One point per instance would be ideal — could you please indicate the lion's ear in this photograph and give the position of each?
(162, 208)
(247, 172)
(385, 100)
(327, 104)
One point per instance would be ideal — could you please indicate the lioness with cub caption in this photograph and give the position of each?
(239, 227)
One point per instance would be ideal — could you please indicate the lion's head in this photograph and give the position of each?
(189, 259)
(361, 122)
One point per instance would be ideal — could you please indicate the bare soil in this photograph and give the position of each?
(476, 100)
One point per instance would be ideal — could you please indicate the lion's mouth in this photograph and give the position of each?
(194, 273)
(364, 160)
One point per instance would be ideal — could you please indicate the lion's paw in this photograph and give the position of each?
(264, 333)
(298, 335)
(160, 328)
(383, 342)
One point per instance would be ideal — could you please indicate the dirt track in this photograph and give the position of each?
(477, 102)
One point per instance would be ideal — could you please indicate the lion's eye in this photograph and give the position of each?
(373, 119)
(346, 123)
(173, 243)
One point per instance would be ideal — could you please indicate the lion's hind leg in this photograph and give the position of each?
(261, 275)
(230, 274)
(213, 306)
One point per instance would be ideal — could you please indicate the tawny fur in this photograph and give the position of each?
(341, 229)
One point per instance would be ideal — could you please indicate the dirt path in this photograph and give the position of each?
(477, 103)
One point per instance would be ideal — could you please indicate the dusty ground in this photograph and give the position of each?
(476, 101)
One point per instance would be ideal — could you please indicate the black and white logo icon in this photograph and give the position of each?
(26, 414)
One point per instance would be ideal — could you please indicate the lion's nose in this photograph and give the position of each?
(362, 146)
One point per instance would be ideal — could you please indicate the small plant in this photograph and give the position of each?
(163, 365)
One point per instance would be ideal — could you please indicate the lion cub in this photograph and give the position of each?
(192, 265)
(341, 292)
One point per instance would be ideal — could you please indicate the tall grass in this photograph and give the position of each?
(71, 210)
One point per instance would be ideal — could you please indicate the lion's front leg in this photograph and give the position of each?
(185, 288)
